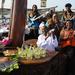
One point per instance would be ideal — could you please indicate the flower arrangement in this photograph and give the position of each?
(28, 53)
(31, 52)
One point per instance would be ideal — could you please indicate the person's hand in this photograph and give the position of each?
(51, 32)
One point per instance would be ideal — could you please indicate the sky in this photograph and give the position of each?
(50, 3)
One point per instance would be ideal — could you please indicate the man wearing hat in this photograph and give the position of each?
(48, 40)
(68, 14)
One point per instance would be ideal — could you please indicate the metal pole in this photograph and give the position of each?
(2, 6)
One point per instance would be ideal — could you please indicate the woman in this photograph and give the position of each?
(50, 23)
(57, 25)
(32, 23)
(67, 43)
(67, 34)
(47, 40)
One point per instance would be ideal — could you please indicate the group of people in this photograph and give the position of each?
(50, 31)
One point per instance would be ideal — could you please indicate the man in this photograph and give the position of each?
(47, 40)
(68, 14)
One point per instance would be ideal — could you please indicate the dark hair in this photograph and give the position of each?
(68, 5)
(47, 30)
(34, 6)
(36, 11)
(70, 21)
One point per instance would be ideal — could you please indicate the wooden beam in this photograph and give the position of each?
(18, 21)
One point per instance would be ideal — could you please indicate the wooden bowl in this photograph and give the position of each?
(38, 61)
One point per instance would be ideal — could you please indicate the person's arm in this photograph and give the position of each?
(30, 19)
(54, 42)
(62, 34)
(41, 42)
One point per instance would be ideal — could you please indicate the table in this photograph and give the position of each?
(54, 64)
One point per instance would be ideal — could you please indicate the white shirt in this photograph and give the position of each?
(49, 44)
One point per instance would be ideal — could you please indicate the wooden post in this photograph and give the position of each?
(18, 22)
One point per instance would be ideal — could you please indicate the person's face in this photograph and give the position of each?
(55, 19)
(68, 8)
(34, 7)
(50, 22)
(68, 24)
(42, 28)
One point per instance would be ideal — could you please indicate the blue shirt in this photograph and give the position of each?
(31, 23)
